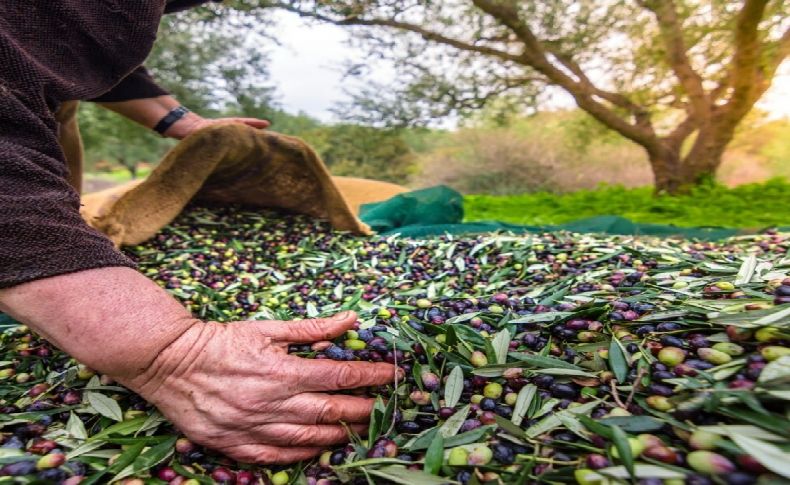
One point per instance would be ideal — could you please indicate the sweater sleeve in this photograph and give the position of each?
(137, 85)
(41, 231)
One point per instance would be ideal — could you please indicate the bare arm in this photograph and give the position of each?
(232, 387)
(148, 112)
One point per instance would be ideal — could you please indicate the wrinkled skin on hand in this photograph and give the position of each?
(233, 388)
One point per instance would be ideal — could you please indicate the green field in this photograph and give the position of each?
(752, 206)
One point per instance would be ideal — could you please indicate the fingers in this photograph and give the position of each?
(314, 408)
(270, 455)
(254, 122)
(307, 331)
(305, 435)
(329, 375)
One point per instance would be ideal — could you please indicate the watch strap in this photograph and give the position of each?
(170, 118)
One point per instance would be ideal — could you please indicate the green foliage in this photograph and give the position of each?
(112, 138)
(363, 151)
(200, 58)
(748, 206)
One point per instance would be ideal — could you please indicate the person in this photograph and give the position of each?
(232, 387)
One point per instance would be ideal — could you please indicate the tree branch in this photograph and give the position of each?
(744, 66)
(425, 33)
(534, 55)
(676, 51)
(615, 98)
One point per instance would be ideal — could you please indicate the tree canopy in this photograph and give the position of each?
(674, 76)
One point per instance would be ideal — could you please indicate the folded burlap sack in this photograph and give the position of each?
(232, 164)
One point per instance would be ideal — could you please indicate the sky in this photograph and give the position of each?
(307, 69)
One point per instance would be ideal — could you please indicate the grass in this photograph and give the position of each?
(751, 206)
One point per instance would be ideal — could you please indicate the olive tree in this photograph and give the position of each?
(674, 76)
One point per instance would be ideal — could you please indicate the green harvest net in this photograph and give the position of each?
(439, 210)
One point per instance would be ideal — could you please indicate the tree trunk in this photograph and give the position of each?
(130, 166)
(665, 163)
(705, 155)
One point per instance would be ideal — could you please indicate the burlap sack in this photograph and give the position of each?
(232, 164)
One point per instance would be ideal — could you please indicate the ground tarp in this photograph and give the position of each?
(439, 210)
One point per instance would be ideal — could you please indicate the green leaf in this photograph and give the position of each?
(769, 455)
(434, 457)
(620, 440)
(462, 318)
(746, 270)
(148, 459)
(76, 428)
(404, 476)
(509, 427)
(640, 471)
(741, 430)
(124, 428)
(422, 440)
(596, 427)
(453, 424)
(454, 387)
(618, 362)
(85, 448)
(376, 419)
(565, 372)
(551, 421)
(152, 422)
(634, 424)
(501, 344)
(468, 437)
(541, 317)
(776, 372)
(543, 362)
(105, 406)
(123, 460)
(777, 316)
(523, 401)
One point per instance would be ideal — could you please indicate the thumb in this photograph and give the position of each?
(310, 330)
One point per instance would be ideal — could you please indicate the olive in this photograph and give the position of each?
(563, 391)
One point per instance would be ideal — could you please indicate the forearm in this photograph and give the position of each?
(112, 319)
(148, 112)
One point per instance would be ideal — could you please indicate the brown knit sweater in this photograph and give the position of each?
(50, 52)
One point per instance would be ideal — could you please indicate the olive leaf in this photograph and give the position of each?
(746, 270)
(405, 476)
(149, 458)
(453, 424)
(634, 424)
(543, 361)
(104, 405)
(123, 460)
(523, 401)
(618, 362)
(76, 428)
(769, 455)
(123, 428)
(640, 471)
(434, 457)
(776, 372)
(454, 387)
(501, 344)
(552, 421)
(620, 440)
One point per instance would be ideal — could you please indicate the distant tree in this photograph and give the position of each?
(674, 76)
(364, 151)
(211, 59)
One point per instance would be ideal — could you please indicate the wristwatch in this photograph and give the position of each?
(170, 118)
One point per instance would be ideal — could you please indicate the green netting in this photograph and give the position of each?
(439, 210)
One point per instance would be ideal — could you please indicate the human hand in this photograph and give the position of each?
(233, 388)
(191, 122)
